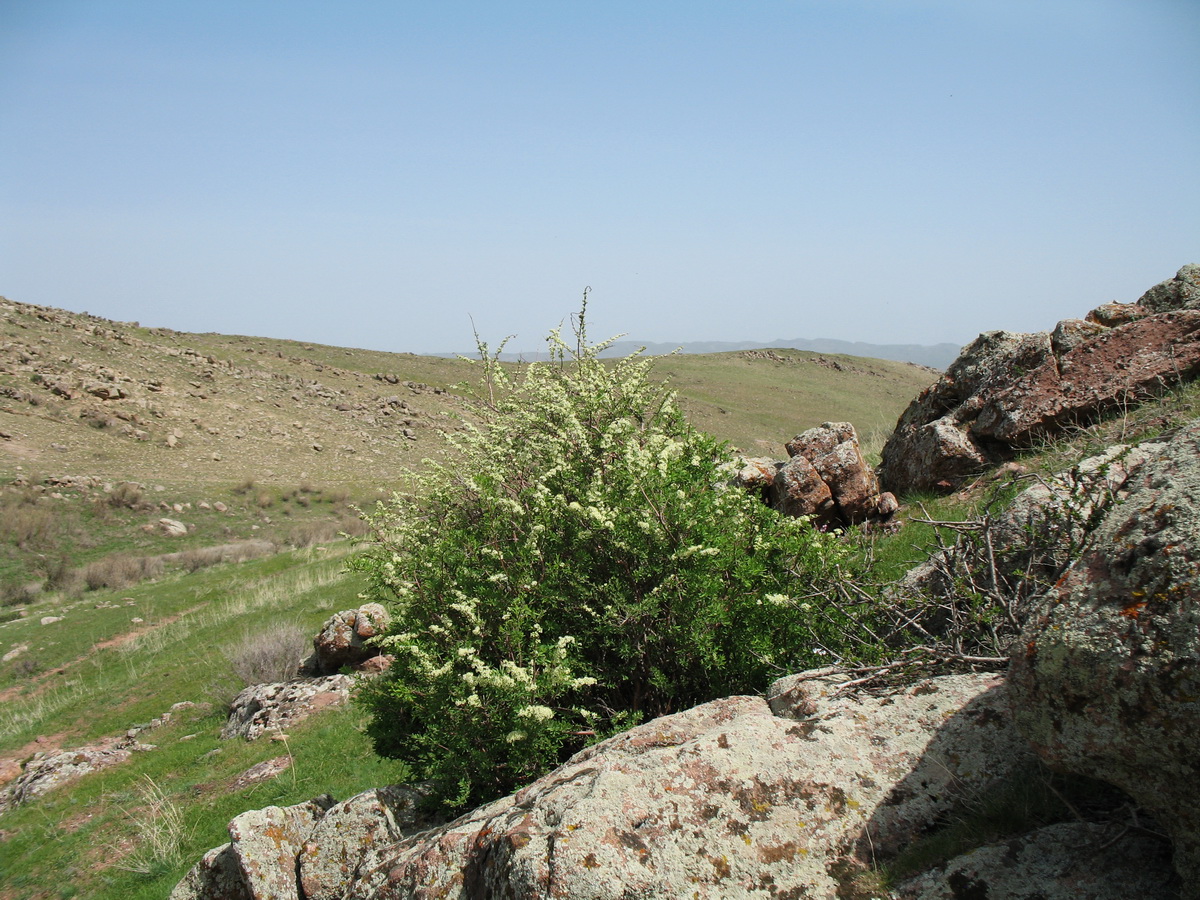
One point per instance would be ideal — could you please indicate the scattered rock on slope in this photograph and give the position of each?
(266, 708)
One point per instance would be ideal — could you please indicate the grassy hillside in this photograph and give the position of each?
(208, 409)
(107, 427)
(260, 448)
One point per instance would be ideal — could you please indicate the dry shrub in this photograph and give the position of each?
(120, 571)
(202, 557)
(270, 655)
(245, 487)
(26, 525)
(264, 500)
(312, 533)
(127, 495)
(59, 575)
(13, 594)
(98, 419)
(326, 531)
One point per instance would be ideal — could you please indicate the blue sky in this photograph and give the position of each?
(380, 174)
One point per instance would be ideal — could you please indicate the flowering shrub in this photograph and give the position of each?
(576, 563)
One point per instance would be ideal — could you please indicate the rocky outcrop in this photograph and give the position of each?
(273, 852)
(272, 708)
(1180, 292)
(353, 833)
(48, 770)
(826, 478)
(740, 797)
(1007, 390)
(1106, 676)
(267, 842)
(343, 639)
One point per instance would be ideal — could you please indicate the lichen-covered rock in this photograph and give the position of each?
(816, 442)
(798, 490)
(851, 481)
(826, 479)
(264, 708)
(725, 800)
(343, 639)
(1069, 861)
(1070, 333)
(1180, 292)
(267, 842)
(1007, 390)
(1106, 676)
(51, 769)
(930, 445)
(1013, 556)
(216, 877)
(259, 862)
(1110, 315)
(351, 834)
(1121, 366)
(755, 474)
(1048, 522)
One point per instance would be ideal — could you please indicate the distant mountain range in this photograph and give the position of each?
(937, 356)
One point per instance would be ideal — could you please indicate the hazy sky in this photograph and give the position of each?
(374, 174)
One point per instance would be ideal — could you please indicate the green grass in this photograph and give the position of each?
(187, 620)
(72, 842)
(84, 693)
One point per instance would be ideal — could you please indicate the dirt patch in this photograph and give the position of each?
(129, 636)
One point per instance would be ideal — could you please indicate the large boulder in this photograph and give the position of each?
(353, 833)
(1180, 292)
(1014, 555)
(267, 842)
(729, 799)
(740, 797)
(271, 708)
(1008, 390)
(826, 479)
(343, 639)
(1106, 675)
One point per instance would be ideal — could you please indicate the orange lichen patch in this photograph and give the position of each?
(781, 852)
(1133, 609)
